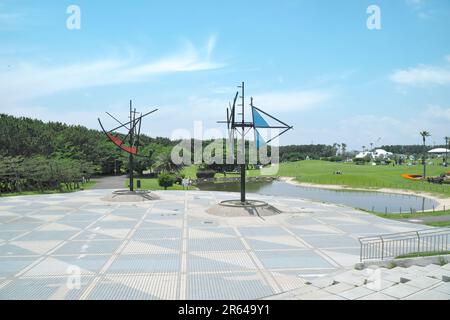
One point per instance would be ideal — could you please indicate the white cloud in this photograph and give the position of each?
(420, 7)
(416, 4)
(11, 18)
(361, 130)
(27, 81)
(438, 112)
(422, 75)
(290, 100)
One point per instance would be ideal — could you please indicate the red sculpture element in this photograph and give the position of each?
(116, 140)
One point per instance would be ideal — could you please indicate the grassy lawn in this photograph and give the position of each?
(418, 215)
(364, 176)
(86, 186)
(355, 176)
(152, 185)
(439, 224)
(423, 254)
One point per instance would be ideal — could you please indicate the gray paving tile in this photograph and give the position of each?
(444, 288)
(296, 259)
(231, 286)
(356, 293)
(332, 241)
(400, 291)
(110, 290)
(430, 295)
(13, 250)
(166, 233)
(215, 244)
(262, 231)
(48, 235)
(62, 265)
(219, 261)
(145, 263)
(10, 266)
(269, 243)
(44, 289)
(89, 247)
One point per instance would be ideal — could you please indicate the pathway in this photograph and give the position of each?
(171, 248)
(111, 182)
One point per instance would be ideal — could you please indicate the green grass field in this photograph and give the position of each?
(418, 215)
(152, 185)
(365, 176)
(425, 254)
(354, 176)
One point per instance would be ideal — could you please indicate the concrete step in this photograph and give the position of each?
(374, 283)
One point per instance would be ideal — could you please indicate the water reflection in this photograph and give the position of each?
(374, 201)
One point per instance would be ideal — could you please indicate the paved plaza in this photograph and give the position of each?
(171, 248)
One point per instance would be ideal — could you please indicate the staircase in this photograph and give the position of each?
(431, 282)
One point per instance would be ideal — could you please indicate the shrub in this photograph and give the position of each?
(166, 180)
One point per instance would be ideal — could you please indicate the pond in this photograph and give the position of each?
(367, 200)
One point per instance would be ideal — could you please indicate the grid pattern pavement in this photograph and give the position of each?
(76, 246)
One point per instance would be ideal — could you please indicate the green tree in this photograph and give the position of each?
(344, 149)
(166, 180)
(164, 162)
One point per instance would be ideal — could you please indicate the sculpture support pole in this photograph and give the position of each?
(130, 164)
(243, 167)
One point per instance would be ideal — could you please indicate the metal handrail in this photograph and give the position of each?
(397, 244)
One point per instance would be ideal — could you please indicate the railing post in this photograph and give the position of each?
(382, 247)
(418, 243)
(360, 251)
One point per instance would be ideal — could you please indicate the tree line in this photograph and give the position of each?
(38, 155)
(37, 173)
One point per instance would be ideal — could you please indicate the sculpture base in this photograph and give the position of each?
(130, 196)
(249, 208)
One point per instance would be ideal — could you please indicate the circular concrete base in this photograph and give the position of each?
(235, 208)
(130, 196)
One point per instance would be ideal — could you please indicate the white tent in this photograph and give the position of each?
(439, 151)
(377, 154)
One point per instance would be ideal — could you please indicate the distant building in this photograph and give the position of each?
(439, 151)
(377, 154)
(382, 154)
(363, 155)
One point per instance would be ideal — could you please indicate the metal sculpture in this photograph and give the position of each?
(242, 127)
(131, 143)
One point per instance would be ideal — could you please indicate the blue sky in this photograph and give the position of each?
(314, 64)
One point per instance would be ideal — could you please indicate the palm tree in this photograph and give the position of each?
(164, 163)
(344, 148)
(424, 135)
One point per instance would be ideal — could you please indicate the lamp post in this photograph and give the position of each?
(424, 135)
